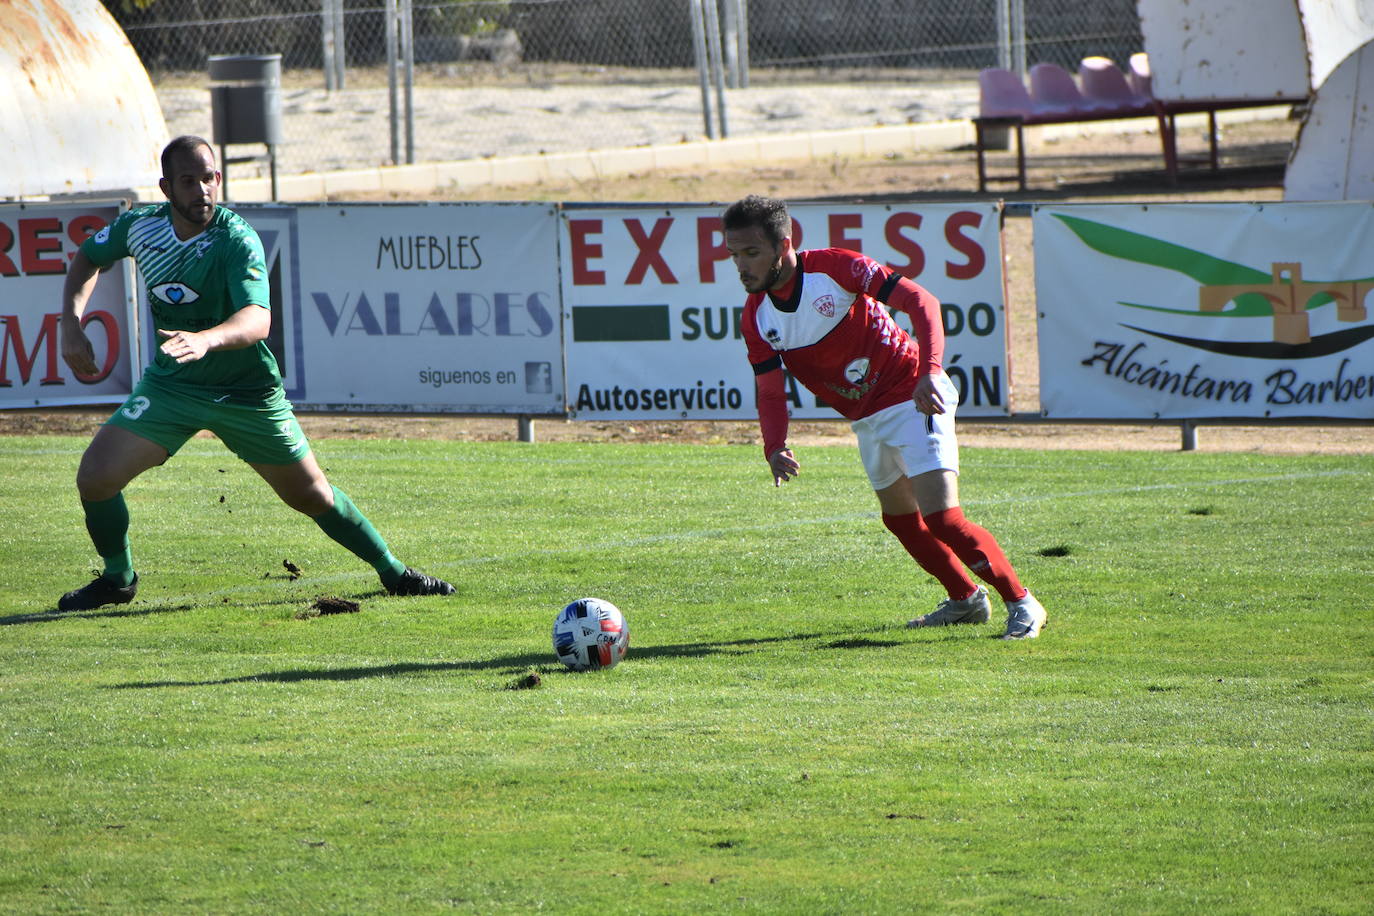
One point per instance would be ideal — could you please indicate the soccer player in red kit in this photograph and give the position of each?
(820, 314)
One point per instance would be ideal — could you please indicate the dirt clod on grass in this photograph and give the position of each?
(327, 604)
(526, 682)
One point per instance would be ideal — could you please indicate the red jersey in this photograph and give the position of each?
(828, 328)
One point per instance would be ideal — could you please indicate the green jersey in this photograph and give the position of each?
(193, 285)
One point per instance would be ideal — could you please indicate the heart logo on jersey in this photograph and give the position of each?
(825, 305)
(175, 293)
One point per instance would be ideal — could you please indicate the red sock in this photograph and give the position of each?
(933, 556)
(978, 549)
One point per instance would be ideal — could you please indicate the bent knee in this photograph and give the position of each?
(97, 483)
(312, 501)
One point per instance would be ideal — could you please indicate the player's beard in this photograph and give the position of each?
(193, 213)
(770, 279)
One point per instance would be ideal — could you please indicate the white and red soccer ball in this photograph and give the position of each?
(590, 633)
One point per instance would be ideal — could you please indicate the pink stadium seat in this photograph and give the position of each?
(1105, 84)
(1001, 94)
(1139, 75)
(1107, 93)
(1053, 91)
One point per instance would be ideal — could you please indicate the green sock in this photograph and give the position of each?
(349, 527)
(107, 521)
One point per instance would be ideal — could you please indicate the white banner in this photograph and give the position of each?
(652, 303)
(37, 242)
(416, 307)
(1180, 311)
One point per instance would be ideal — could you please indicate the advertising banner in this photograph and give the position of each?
(1181, 311)
(416, 307)
(37, 242)
(652, 303)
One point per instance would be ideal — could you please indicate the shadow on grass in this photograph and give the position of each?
(54, 614)
(144, 609)
(514, 664)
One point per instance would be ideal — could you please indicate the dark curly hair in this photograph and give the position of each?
(768, 213)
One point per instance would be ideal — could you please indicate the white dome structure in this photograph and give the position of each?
(78, 114)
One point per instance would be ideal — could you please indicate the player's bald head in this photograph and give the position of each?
(185, 145)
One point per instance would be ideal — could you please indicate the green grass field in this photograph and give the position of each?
(1192, 733)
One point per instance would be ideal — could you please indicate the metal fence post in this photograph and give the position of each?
(332, 41)
(742, 31)
(703, 68)
(390, 15)
(408, 54)
(327, 43)
(729, 28)
(1018, 37)
(713, 54)
(1004, 34)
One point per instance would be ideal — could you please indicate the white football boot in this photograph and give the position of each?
(1025, 617)
(974, 609)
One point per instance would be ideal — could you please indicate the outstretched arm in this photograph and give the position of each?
(928, 330)
(244, 328)
(773, 420)
(76, 292)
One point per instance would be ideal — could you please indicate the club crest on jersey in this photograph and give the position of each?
(825, 305)
(773, 336)
(102, 236)
(175, 293)
(856, 371)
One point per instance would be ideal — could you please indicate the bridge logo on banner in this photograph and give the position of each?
(1241, 312)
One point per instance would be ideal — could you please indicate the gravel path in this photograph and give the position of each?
(351, 128)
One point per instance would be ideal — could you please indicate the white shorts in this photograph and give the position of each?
(900, 441)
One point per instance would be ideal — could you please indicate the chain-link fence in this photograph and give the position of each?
(500, 77)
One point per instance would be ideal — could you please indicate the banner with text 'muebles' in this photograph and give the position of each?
(1179, 311)
(652, 303)
(449, 307)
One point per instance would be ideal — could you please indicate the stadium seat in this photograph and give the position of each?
(1107, 93)
(1054, 93)
(1104, 84)
(1139, 75)
(1001, 94)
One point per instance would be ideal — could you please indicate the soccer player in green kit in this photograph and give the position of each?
(206, 280)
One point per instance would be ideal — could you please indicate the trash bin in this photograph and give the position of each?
(245, 98)
(245, 107)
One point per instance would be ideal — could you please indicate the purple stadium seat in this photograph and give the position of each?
(1001, 94)
(1139, 76)
(1105, 84)
(1054, 93)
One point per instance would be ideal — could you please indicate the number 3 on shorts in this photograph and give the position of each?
(134, 409)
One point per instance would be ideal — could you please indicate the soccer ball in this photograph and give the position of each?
(590, 633)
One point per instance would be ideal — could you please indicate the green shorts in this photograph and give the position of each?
(260, 430)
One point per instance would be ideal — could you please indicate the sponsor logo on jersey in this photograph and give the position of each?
(825, 305)
(864, 269)
(773, 336)
(857, 370)
(175, 293)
